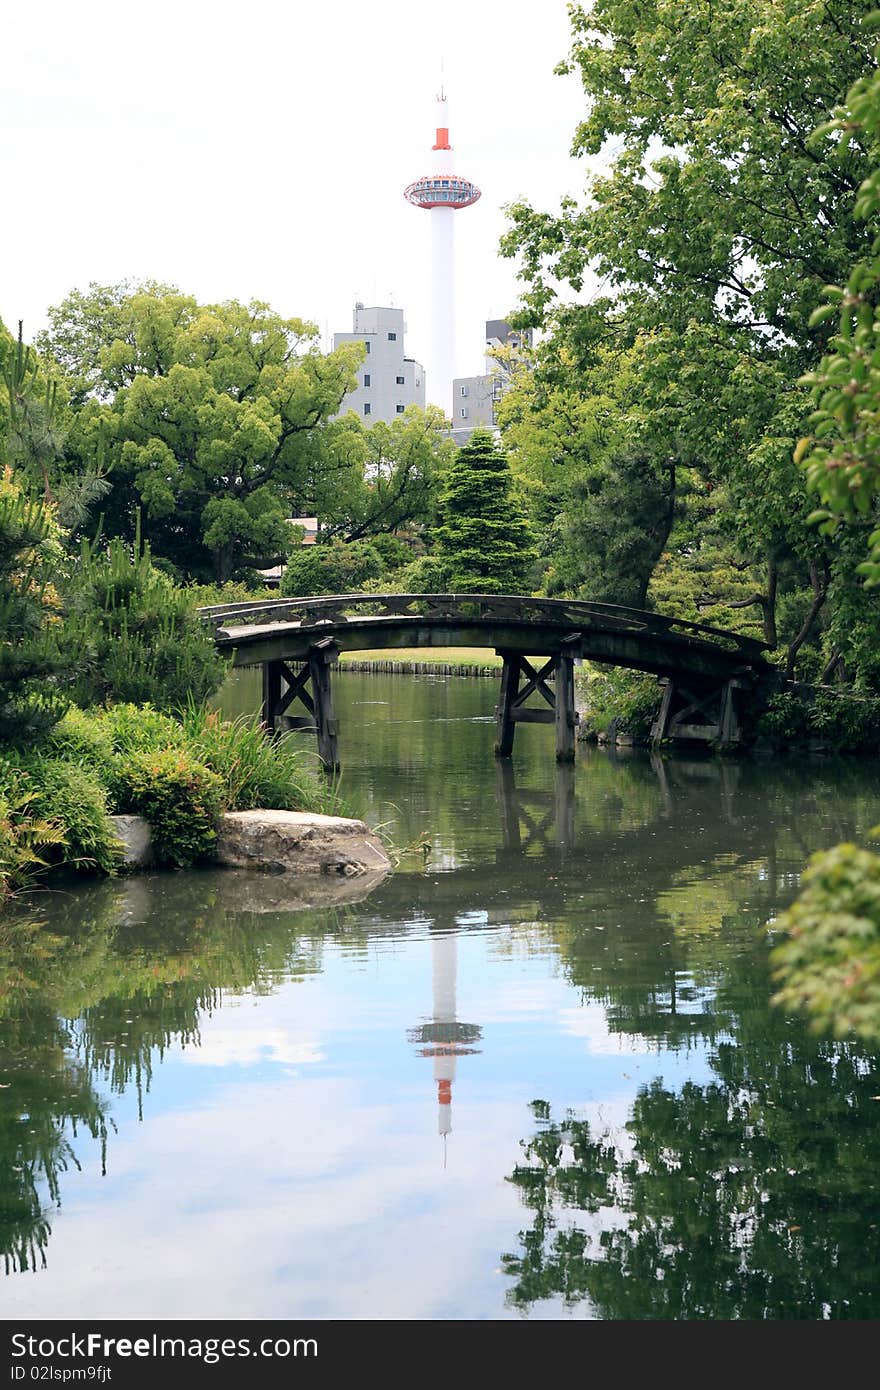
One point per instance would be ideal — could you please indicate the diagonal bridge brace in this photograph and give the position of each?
(709, 715)
(310, 687)
(558, 706)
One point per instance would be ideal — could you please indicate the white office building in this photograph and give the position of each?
(475, 398)
(388, 381)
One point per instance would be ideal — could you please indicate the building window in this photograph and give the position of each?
(367, 346)
(392, 337)
(464, 390)
(464, 412)
(400, 410)
(366, 378)
(367, 408)
(401, 380)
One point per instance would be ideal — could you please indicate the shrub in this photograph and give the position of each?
(428, 575)
(139, 728)
(72, 797)
(787, 718)
(233, 591)
(83, 737)
(25, 837)
(334, 568)
(139, 633)
(394, 552)
(629, 697)
(179, 796)
(847, 723)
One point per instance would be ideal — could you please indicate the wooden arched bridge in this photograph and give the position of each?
(705, 671)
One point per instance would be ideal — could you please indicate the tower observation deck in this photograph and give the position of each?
(443, 192)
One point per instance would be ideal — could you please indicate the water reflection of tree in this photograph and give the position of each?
(752, 1196)
(47, 1099)
(173, 975)
(98, 999)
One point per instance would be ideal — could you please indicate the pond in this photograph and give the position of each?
(534, 1074)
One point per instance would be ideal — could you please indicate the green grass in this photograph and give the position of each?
(449, 656)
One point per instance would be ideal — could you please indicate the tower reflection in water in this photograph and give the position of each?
(444, 1038)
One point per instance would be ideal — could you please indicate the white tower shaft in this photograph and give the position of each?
(444, 963)
(443, 304)
(443, 267)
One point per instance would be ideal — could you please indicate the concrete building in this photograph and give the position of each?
(475, 398)
(387, 380)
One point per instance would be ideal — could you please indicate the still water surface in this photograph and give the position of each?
(535, 1073)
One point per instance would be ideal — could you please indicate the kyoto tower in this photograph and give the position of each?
(443, 193)
(444, 1038)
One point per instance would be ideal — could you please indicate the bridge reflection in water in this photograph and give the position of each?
(706, 672)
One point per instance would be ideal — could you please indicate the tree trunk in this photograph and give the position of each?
(820, 589)
(769, 602)
(834, 661)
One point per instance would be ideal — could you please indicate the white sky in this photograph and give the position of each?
(260, 150)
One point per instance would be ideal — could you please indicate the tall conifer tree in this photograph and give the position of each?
(483, 536)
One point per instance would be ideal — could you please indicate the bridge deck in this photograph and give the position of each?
(286, 629)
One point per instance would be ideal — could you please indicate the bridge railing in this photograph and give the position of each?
(506, 608)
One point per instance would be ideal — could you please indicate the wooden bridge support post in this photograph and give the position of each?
(504, 721)
(283, 687)
(729, 724)
(566, 717)
(271, 694)
(661, 723)
(321, 657)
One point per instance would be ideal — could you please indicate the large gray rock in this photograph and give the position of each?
(299, 842)
(137, 842)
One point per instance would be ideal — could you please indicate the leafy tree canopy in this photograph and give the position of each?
(208, 416)
(727, 200)
(723, 200)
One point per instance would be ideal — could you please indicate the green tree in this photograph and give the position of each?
(829, 962)
(399, 469)
(137, 633)
(841, 456)
(721, 199)
(33, 433)
(722, 213)
(209, 417)
(88, 323)
(33, 660)
(483, 537)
